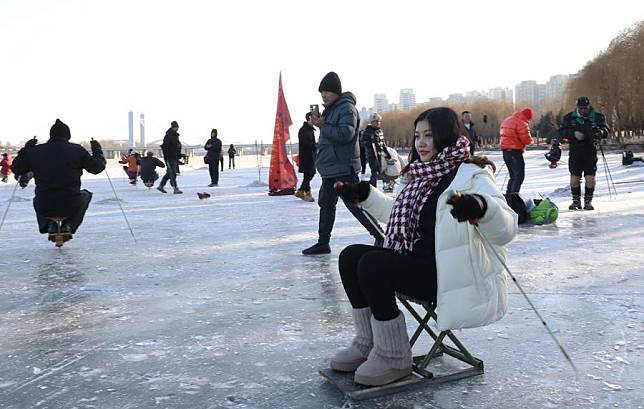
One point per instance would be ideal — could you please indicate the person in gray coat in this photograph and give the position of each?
(213, 153)
(338, 153)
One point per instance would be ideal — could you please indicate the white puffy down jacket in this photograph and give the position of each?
(472, 284)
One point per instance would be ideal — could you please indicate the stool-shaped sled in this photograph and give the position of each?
(442, 369)
(59, 236)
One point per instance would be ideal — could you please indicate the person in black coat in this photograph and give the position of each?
(373, 144)
(231, 156)
(466, 118)
(583, 129)
(149, 166)
(57, 167)
(306, 149)
(171, 147)
(213, 153)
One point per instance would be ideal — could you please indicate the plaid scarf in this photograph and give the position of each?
(403, 228)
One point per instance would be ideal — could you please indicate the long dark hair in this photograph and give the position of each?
(446, 128)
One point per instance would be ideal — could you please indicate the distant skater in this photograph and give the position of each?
(149, 164)
(231, 156)
(213, 153)
(57, 167)
(171, 147)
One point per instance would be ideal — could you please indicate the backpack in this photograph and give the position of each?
(546, 212)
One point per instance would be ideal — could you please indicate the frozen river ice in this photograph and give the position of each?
(215, 307)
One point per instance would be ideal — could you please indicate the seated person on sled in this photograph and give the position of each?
(149, 165)
(57, 167)
(431, 251)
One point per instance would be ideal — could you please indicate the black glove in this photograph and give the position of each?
(352, 192)
(96, 148)
(467, 207)
(31, 143)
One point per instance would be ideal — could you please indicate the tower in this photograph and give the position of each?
(130, 118)
(142, 130)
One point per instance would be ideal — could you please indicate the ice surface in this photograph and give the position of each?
(214, 307)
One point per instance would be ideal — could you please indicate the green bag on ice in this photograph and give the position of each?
(546, 212)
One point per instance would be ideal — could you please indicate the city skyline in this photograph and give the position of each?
(529, 92)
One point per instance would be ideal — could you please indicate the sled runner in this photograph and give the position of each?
(463, 365)
(59, 237)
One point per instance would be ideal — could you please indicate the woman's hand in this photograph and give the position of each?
(467, 207)
(352, 192)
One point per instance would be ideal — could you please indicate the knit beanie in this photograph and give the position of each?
(583, 102)
(331, 82)
(528, 113)
(60, 131)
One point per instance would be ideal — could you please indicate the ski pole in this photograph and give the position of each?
(534, 309)
(554, 338)
(120, 206)
(13, 193)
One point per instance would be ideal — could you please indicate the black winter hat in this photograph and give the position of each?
(583, 102)
(60, 131)
(331, 82)
(174, 124)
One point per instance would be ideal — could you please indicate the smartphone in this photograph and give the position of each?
(315, 109)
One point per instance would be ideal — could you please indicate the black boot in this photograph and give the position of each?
(576, 198)
(317, 248)
(588, 198)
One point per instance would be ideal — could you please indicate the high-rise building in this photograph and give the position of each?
(130, 120)
(473, 96)
(455, 99)
(407, 99)
(436, 101)
(364, 115)
(555, 87)
(142, 131)
(501, 94)
(380, 103)
(526, 93)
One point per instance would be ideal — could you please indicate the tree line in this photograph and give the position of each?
(614, 82)
(487, 115)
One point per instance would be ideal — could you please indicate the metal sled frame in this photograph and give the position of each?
(422, 375)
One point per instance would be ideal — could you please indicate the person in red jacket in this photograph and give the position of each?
(5, 167)
(515, 136)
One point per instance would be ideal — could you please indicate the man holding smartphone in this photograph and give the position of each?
(338, 153)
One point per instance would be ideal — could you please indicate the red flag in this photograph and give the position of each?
(281, 177)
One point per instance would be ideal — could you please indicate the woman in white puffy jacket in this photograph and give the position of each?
(433, 251)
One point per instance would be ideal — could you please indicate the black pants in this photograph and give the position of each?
(231, 162)
(171, 170)
(582, 159)
(306, 182)
(221, 160)
(73, 215)
(374, 165)
(327, 200)
(516, 169)
(371, 276)
(213, 168)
